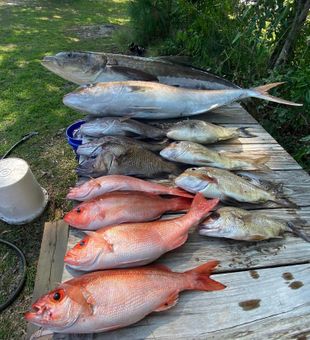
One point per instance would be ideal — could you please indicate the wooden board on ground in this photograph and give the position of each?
(50, 265)
(267, 294)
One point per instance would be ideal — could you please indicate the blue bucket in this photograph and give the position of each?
(74, 142)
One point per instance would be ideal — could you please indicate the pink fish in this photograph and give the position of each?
(101, 185)
(107, 300)
(136, 244)
(123, 206)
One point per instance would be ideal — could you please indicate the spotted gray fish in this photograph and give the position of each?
(94, 147)
(149, 100)
(239, 224)
(200, 131)
(117, 159)
(223, 184)
(90, 67)
(196, 154)
(113, 126)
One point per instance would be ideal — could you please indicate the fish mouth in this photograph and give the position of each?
(48, 60)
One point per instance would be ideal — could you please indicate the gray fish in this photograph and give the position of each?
(90, 67)
(148, 100)
(196, 154)
(94, 147)
(113, 126)
(200, 131)
(117, 159)
(239, 224)
(228, 187)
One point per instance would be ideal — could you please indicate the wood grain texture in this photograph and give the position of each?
(50, 265)
(280, 310)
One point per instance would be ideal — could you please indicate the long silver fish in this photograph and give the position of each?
(90, 67)
(148, 100)
(94, 147)
(200, 131)
(117, 159)
(239, 224)
(223, 184)
(196, 154)
(113, 126)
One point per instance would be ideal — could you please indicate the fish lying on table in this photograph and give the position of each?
(239, 224)
(123, 206)
(200, 131)
(111, 126)
(136, 244)
(132, 160)
(148, 100)
(107, 300)
(94, 147)
(196, 154)
(228, 187)
(99, 186)
(93, 67)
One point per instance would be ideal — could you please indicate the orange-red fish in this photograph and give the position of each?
(136, 244)
(123, 206)
(101, 185)
(107, 300)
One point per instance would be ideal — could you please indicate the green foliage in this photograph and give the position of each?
(239, 40)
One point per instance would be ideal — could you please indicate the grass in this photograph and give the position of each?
(31, 100)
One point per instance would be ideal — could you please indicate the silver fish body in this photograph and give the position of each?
(112, 126)
(196, 154)
(149, 100)
(90, 67)
(201, 132)
(239, 224)
(222, 184)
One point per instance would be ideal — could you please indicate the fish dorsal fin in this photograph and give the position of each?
(170, 302)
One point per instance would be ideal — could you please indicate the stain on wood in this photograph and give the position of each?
(288, 276)
(250, 304)
(296, 285)
(254, 274)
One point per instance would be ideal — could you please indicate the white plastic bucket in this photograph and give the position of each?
(21, 197)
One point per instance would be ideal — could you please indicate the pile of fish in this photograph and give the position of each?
(120, 212)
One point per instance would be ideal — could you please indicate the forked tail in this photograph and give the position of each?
(262, 93)
(200, 207)
(199, 277)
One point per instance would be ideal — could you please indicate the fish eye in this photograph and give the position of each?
(82, 243)
(69, 54)
(58, 295)
(215, 215)
(78, 210)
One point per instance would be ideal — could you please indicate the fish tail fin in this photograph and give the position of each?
(180, 203)
(201, 207)
(199, 277)
(285, 202)
(262, 93)
(243, 132)
(298, 231)
(260, 162)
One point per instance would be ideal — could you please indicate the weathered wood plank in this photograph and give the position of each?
(50, 265)
(276, 304)
(233, 113)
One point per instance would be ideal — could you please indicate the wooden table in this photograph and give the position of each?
(268, 282)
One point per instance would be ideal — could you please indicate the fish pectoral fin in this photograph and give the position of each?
(101, 239)
(132, 74)
(170, 302)
(258, 237)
